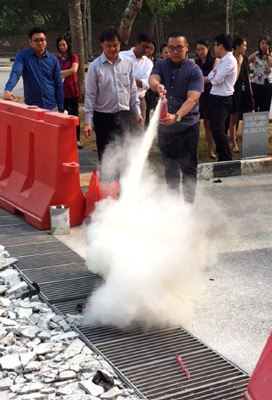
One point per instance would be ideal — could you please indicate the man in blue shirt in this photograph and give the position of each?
(41, 74)
(182, 82)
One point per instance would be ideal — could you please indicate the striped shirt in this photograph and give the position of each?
(110, 87)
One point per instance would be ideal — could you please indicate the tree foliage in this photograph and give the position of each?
(166, 7)
(18, 16)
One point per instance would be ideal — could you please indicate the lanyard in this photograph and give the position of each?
(63, 62)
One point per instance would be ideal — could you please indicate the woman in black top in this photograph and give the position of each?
(242, 99)
(206, 63)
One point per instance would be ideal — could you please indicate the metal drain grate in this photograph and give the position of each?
(62, 272)
(145, 359)
(45, 248)
(54, 260)
(70, 306)
(57, 292)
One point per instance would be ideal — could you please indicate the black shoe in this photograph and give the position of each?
(79, 146)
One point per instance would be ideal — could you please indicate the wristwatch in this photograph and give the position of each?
(178, 118)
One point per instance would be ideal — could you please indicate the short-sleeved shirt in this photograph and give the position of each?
(70, 83)
(262, 70)
(178, 81)
(42, 79)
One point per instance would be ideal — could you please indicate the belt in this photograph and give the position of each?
(215, 96)
(114, 114)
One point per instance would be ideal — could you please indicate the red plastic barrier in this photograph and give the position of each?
(260, 383)
(39, 163)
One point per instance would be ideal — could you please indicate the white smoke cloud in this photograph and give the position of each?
(149, 246)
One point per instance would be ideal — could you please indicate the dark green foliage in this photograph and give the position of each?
(18, 16)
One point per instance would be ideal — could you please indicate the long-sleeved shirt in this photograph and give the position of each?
(41, 77)
(142, 68)
(223, 76)
(110, 87)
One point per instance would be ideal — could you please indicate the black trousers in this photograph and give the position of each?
(179, 153)
(220, 107)
(71, 105)
(262, 96)
(151, 103)
(107, 127)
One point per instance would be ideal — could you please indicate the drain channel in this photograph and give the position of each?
(145, 359)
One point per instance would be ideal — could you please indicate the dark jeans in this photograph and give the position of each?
(179, 153)
(71, 105)
(220, 107)
(107, 127)
(262, 96)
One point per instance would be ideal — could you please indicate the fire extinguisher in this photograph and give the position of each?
(164, 107)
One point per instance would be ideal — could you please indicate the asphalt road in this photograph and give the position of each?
(236, 319)
(4, 75)
(234, 315)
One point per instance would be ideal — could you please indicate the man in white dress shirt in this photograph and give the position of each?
(142, 66)
(111, 93)
(222, 78)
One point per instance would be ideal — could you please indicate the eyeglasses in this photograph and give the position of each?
(147, 47)
(38, 40)
(178, 48)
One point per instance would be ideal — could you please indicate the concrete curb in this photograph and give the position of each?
(231, 168)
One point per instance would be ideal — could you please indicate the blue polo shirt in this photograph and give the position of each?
(178, 80)
(42, 79)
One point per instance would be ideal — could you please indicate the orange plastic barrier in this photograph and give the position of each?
(98, 191)
(39, 163)
(260, 383)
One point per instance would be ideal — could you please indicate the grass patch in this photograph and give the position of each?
(155, 155)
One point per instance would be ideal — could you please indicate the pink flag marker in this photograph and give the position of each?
(180, 363)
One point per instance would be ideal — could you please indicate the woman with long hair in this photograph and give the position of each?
(262, 78)
(242, 99)
(164, 52)
(68, 63)
(150, 96)
(206, 63)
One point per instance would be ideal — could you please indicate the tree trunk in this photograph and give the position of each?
(159, 33)
(153, 19)
(90, 31)
(75, 18)
(85, 33)
(228, 17)
(128, 18)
